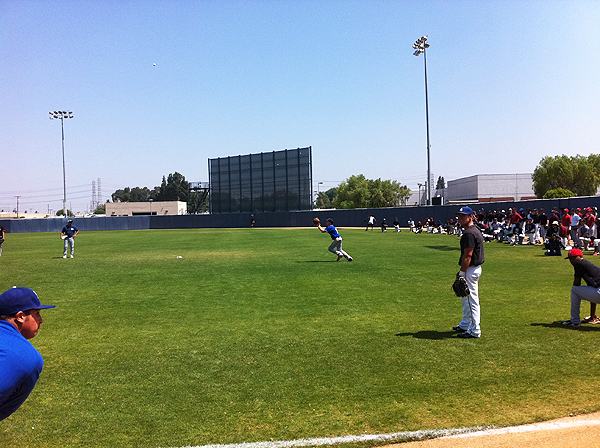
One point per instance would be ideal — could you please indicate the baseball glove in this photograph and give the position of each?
(460, 287)
(1, 240)
(317, 222)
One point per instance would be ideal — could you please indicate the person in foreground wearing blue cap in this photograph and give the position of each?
(20, 363)
(471, 258)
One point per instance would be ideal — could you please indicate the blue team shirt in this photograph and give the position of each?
(70, 231)
(20, 368)
(332, 231)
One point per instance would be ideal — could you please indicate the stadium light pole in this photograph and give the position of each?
(420, 185)
(421, 46)
(61, 115)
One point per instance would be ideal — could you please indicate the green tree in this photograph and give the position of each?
(331, 194)
(61, 213)
(174, 188)
(198, 202)
(558, 193)
(322, 200)
(135, 194)
(100, 210)
(580, 175)
(360, 192)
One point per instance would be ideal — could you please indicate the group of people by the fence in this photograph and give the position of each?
(557, 230)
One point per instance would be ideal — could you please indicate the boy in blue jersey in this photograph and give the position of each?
(336, 244)
(20, 363)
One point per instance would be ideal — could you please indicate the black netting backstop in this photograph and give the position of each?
(266, 182)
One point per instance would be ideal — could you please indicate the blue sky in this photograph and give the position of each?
(510, 82)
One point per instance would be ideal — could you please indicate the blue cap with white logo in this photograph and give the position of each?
(465, 211)
(20, 299)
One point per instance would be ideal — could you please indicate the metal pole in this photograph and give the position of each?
(64, 171)
(421, 46)
(62, 114)
(428, 144)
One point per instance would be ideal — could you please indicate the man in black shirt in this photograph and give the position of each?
(2, 230)
(471, 259)
(543, 224)
(591, 274)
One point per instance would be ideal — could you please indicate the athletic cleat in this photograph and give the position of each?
(467, 335)
(568, 322)
(71, 256)
(350, 259)
(339, 258)
(457, 328)
(64, 256)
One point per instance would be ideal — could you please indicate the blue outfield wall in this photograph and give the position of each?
(342, 218)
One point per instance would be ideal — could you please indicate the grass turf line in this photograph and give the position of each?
(258, 334)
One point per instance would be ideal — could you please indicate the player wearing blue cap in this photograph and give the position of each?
(20, 363)
(471, 258)
(336, 245)
(68, 233)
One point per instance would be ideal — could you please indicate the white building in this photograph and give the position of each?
(491, 188)
(146, 208)
(480, 188)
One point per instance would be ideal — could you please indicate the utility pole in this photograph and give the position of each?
(17, 205)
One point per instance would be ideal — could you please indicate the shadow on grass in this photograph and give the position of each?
(315, 261)
(558, 324)
(431, 334)
(442, 248)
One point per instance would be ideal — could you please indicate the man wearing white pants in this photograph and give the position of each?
(588, 271)
(336, 245)
(471, 258)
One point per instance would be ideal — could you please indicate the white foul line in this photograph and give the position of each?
(408, 435)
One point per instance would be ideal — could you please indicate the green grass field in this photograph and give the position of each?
(258, 334)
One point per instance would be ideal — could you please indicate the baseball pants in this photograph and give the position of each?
(69, 241)
(336, 248)
(579, 293)
(471, 309)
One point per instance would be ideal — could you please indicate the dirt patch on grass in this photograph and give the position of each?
(581, 431)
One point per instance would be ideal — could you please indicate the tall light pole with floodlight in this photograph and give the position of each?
(421, 46)
(61, 115)
(420, 185)
(319, 190)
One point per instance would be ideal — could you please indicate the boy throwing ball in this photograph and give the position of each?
(336, 245)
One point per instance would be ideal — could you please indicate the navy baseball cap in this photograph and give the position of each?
(465, 211)
(20, 299)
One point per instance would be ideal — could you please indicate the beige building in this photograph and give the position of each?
(145, 208)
